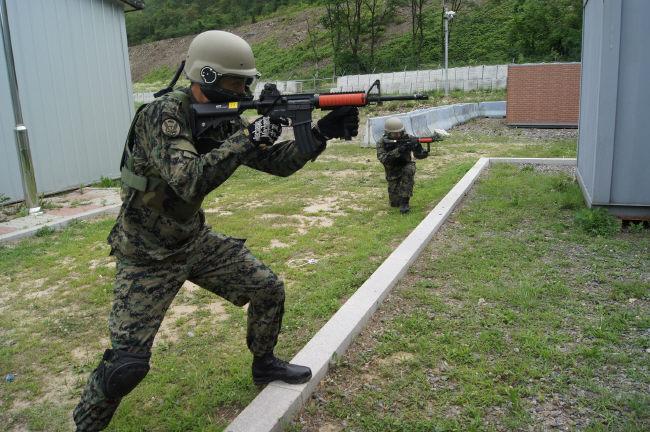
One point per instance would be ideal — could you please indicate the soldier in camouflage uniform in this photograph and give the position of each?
(394, 152)
(160, 238)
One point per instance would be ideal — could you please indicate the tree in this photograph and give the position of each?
(352, 15)
(417, 29)
(379, 11)
(549, 30)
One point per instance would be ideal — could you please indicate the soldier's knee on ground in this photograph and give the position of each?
(121, 371)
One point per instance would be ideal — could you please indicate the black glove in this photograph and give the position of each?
(420, 153)
(406, 143)
(342, 122)
(265, 131)
(404, 148)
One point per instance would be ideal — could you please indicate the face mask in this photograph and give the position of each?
(217, 94)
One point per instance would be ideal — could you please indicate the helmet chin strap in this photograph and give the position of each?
(170, 87)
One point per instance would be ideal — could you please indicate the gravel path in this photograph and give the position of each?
(498, 127)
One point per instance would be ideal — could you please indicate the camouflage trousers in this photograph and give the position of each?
(144, 292)
(401, 180)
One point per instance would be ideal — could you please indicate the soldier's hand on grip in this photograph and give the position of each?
(342, 122)
(264, 131)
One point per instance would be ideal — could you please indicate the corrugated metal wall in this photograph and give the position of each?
(613, 147)
(631, 184)
(592, 36)
(75, 86)
(10, 181)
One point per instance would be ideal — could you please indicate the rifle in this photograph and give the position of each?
(295, 107)
(411, 143)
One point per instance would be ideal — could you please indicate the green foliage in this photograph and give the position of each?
(49, 205)
(3, 198)
(44, 231)
(162, 74)
(494, 31)
(106, 182)
(163, 19)
(272, 61)
(549, 30)
(597, 221)
(488, 32)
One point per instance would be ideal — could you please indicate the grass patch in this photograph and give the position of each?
(597, 221)
(513, 318)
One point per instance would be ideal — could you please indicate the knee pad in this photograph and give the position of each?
(122, 371)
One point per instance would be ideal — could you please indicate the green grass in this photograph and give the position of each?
(513, 317)
(56, 289)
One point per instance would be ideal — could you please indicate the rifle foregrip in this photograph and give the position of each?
(343, 99)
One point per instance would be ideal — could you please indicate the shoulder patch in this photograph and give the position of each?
(171, 128)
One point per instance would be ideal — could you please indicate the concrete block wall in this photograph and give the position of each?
(460, 78)
(544, 95)
(422, 122)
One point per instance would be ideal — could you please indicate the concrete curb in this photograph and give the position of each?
(60, 223)
(274, 406)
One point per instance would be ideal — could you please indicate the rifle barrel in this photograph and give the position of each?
(417, 96)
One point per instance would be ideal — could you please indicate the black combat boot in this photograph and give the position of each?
(394, 202)
(404, 206)
(269, 368)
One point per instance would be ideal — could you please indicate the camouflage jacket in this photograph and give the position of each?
(390, 155)
(166, 222)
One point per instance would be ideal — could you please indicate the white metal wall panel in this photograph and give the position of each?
(10, 182)
(631, 176)
(75, 86)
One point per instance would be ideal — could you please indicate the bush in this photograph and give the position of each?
(106, 182)
(44, 231)
(597, 221)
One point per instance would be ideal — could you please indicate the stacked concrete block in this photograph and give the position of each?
(495, 109)
(405, 82)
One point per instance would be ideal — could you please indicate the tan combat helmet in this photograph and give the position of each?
(214, 54)
(393, 125)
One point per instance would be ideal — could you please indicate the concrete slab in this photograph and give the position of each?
(68, 207)
(270, 406)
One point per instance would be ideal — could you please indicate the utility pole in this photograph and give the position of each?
(22, 139)
(449, 15)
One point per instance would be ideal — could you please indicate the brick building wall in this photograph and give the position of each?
(543, 95)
